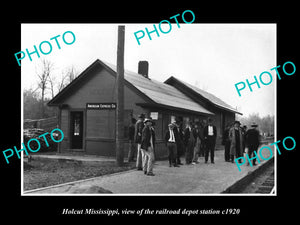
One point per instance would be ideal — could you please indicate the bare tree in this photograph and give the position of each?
(265, 123)
(71, 73)
(68, 75)
(62, 83)
(52, 81)
(43, 74)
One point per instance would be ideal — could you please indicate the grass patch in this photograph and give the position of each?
(42, 172)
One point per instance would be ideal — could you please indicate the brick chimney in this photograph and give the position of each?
(143, 68)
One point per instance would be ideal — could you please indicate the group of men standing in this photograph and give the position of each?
(237, 139)
(196, 139)
(189, 141)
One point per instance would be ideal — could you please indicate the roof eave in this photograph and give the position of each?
(229, 110)
(170, 79)
(55, 100)
(162, 106)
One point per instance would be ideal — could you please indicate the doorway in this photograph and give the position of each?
(76, 129)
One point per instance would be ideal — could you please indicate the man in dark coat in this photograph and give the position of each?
(147, 147)
(132, 147)
(198, 136)
(226, 143)
(179, 141)
(252, 139)
(210, 135)
(202, 145)
(236, 141)
(138, 139)
(171, 138)
(189, 142)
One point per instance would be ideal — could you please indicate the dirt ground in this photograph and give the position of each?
(42, 172)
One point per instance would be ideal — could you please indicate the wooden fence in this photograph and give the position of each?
(47, 124)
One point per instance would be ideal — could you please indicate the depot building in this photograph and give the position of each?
(87, 108)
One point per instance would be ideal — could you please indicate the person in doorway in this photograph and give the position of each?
(252, 140)
(138, 140)
(210, 135)
(236, 139)
(132, 147)
(170, 138)
(147, 147)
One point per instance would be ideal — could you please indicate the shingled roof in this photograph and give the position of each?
(212, 99)
(161, 93)
(157, 93)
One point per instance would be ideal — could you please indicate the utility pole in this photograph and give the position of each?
(120, 98)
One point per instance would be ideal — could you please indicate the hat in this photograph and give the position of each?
(147, 120)
(254, 124)
(171, 125)
(238, 122)
(175, 124)
(142, 115)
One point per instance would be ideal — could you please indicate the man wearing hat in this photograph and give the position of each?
(236, 139)
(132, 147)
(147, 147)
(171, 139)
(179, 141)
(189, 142)
(226, 142)
(138, 139)
(252, 139)
(210, 135)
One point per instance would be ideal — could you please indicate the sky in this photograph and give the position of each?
(213, 57)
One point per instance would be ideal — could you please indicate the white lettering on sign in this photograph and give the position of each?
(101, 106)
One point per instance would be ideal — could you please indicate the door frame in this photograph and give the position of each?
(83, 128)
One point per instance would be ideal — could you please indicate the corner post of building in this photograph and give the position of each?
(59, 126)
(120, 98)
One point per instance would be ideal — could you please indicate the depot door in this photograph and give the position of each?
(76, 129)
